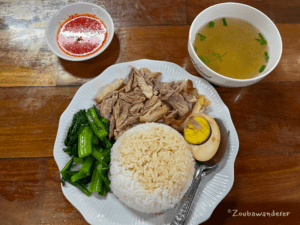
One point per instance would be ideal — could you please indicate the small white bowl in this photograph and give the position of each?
(245, 12)
(79, 8)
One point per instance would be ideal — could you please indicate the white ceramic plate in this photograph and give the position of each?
(109, 210)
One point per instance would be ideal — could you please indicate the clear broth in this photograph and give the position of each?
(232, 47)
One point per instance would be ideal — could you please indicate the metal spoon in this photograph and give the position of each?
(204, 168)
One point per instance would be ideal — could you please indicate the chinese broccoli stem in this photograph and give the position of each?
(106, 143)
(87, 165)
(95, 123)
(67, 166)
(84, 170)
(85, 142)
(97, 155)
(96, 182)
(66, 176)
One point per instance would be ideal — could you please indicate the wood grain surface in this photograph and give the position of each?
(167, 43)
(36, 87)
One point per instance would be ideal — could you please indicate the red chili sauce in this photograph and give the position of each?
(81, 35)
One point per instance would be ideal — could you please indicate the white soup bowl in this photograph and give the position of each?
(263, 23)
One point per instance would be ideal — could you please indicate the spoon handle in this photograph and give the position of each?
(184, 207)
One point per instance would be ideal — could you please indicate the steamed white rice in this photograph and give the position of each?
(151, 167)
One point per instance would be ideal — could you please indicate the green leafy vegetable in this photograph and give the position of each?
(224, 22)
(78, 160)
(102, 119)
(262, 68)
(84, 170)
(211, 24)
(266, 56)
(86, 180)
(262, 40)
(105, 143)
(105, 152)
(103, 192)
(102, 167)
(66, 177)
(112, 140)
(90, 150)
(95, 140)
(202, 37)
(79, 120)
(195, 48)
(72, 150)
(105, 123)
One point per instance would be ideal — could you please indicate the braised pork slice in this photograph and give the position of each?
(154, 75)
(112, 123)
(128, 121)
(124, 113)
(177, 102)
(146, 88)
(107, 105)
(176, 84)
(145, 72)
(149, 74)
(168, 95)
(155, 113)
(153, 100)
(136, 108)
(134, 83)
(128, 86)
(157, 84)
(189, 96)
(117, 109)
(165, 88)
(172, 114)
(117, 134)
(143, 98)
(190, 105)
(133, 97)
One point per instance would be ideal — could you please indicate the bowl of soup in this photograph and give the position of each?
(79, 31)
(234, 45)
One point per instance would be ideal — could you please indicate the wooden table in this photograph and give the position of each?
(37, 86)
